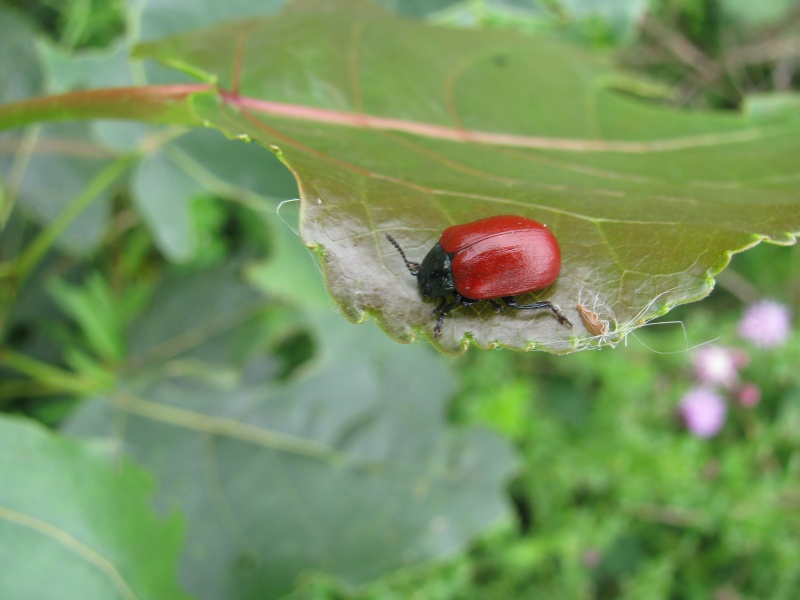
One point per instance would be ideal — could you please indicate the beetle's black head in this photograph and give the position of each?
(436, 274)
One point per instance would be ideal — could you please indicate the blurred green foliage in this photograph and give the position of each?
(77, 23)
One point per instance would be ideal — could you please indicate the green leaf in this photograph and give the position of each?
(165, 17)
(621, 16)
(92, 306)
(391, 126)
(22, 76)
(48, 171)
(163, 194)
(764, 13)
(67, 71)
(291, 272)
(75, 525)
(168, 181)
(349, 467)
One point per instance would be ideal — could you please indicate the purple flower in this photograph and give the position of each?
(703, 411)
(766, 323)
(717, 365)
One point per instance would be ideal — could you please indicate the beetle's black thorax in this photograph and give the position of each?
(436, 273)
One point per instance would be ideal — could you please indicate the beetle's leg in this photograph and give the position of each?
(536, 305)
(495, 305)
(445, 306)
(437, 331)
(444, 309)
(441, 306)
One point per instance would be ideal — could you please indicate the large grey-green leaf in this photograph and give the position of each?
(75, 523)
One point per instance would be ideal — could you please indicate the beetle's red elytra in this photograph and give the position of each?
(495, 258)
(501, 256)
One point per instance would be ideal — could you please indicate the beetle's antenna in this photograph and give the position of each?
(413, 267)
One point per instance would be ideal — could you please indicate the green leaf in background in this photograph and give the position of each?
(168, 181)
(165, 17)
(96, 312)
(393, 126)
(764, 13)
(587, 22)
(291, 272)
(21, 77)
(45, 170)
(75, 525)
(67, 71)
(48, 171)
(163, 194)
(349, 467)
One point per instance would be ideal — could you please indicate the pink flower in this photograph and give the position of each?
(766, 323)
(717, 365)
(591, 558)
(749, 395)
(703, 411)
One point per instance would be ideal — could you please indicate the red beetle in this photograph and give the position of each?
(499, 257)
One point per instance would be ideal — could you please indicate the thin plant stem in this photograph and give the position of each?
(48, 236)
(17, 172)
(53, 377)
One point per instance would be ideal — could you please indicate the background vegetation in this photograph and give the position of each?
(596, 483)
